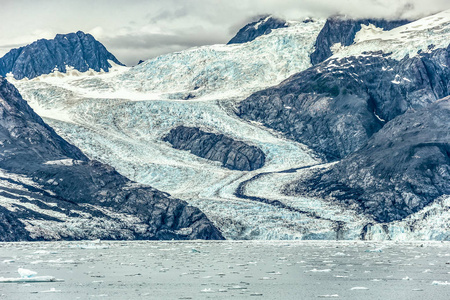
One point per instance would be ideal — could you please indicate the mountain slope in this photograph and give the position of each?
(50, 190)
(403, 167)
(336, 106)
(78, 50)
(343, 31)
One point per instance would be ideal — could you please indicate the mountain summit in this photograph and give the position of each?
(251, 31)
(78, 50)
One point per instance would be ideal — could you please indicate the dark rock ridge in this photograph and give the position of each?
(403, 167)
(50, 190)
(79, 50)
(341, 30)
(234, 155)
(336, 106)
(251, 31)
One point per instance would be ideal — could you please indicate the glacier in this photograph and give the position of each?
(120, 117)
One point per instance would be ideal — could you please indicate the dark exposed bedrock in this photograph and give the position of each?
(251, 31)
(343, 31)
(234, 155)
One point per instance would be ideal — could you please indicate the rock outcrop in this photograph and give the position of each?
(49, 190)
(403, 167)
(234, 155)
(251, 31)
(78, 50)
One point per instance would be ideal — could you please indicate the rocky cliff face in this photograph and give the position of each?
(343, 31)
(50, 191)
(336, 106)
(234, 155)
(78, 50)
(403, 167)
(251, 31)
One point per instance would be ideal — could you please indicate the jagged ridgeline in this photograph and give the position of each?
(49, 190)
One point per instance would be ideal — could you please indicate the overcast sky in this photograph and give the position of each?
(141, 29)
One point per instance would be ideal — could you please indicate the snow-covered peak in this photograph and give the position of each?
(369, 32)
(262, 26)
(261, 21)
(79, 50)
(428, 33)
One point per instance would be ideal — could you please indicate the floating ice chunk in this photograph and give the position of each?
(52, 290)
(237, 287)
(207, 291)
(440, 283)
(379, 250)
(274, 273)
(93, 246)
(8, 261)
(32, 279)
(320, 271)
(406, 278)
(25, 273)
(356, 288)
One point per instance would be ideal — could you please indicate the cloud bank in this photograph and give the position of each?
(141, 29)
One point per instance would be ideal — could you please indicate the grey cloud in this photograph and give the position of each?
(178, 24)
(168, 15)
(132, 48)
(160, 40)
